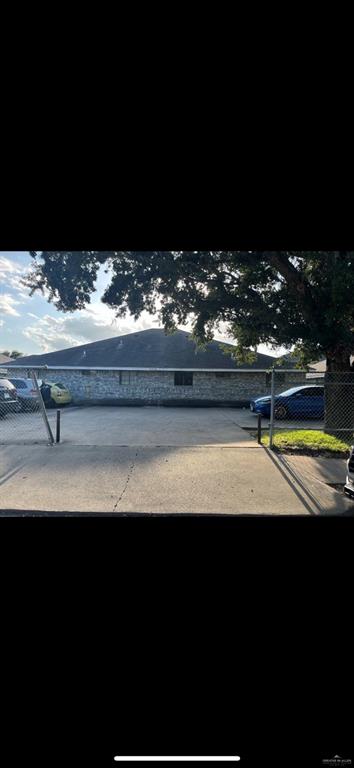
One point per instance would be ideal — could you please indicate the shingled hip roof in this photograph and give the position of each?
(151, 349)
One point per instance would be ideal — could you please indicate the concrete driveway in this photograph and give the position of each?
(147, 460)
(152, 426)
(248, 420)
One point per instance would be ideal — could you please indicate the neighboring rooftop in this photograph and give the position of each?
(144, 349)
(4, 359)
(318, 367)
(321, 366)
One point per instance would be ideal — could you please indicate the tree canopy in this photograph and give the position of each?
(14, 354)
(301, 299)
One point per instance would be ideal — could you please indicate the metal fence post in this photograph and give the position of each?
(271, 425)
(58, 427)
(259, 428)
(42, 407)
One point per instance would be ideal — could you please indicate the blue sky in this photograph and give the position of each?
(33, 326)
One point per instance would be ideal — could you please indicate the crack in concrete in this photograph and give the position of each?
(130, 472)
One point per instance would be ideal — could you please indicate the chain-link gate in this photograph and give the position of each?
(23, 415)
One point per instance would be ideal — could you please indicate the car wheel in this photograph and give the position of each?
(280, 412)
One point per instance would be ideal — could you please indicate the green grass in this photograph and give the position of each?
(307, 440)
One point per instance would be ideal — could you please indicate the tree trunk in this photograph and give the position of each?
(339, 395)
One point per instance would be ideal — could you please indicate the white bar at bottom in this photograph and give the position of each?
(224, 759)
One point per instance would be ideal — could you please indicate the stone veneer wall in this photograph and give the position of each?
(154, 387)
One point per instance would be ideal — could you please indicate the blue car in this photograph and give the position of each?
(296, 403)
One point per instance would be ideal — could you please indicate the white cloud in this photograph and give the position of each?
(7, 305)
(50, 333)
(2, 322)
(103, 316)
(10, 273)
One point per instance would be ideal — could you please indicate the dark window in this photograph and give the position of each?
(18, 383)
(183, 379)
(312, 392)
(124, 377)
(223, 375)
(86, 373)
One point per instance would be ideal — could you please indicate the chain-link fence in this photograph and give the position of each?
(23, 415)
(339, 405)
(318, 403)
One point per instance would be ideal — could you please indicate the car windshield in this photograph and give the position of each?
(19, 383)
(60, 386)
(294, 390)
(289, 392)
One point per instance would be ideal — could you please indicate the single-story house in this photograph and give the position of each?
(153, 368)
